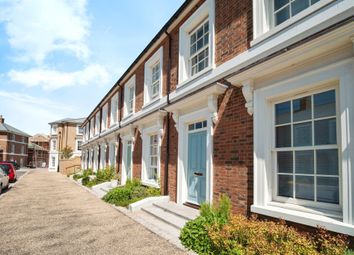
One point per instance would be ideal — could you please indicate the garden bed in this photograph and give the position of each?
(131, 192)
(216, 231)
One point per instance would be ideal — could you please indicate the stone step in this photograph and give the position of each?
(165, 216)
(184, 212)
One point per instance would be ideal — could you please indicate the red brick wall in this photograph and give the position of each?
(137, 154)
(233, 151)
(173, 154)
(233, 28)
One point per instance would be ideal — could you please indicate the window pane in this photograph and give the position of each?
(285, 161)
(282, 16)
(279, 3)
(304, 162)
(302, 109)
(303, 134)
(298, 6)
(327, 162)
(304, 187)
(324, 104)
(283, 136)
(282, 113)
(314, 1)
(285, 185)
(325, 132)
(328, 190)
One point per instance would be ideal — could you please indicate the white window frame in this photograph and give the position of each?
(78, 130)
(146, 134)
(92, 127)
(104, 121)
(130, 84)
(54, 129)
(97, 123)
(114, 109)
(22, 149)
(318, 205)
(205, 12)
(54, 142)
(13, 148)
(103, 152)
(156, 58)
(315, 80)
(263, 18)
(77, 145)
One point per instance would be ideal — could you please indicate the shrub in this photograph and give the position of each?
(215, 231)
(85, 180)
(101, 176)
(194, 235)
(133, 191)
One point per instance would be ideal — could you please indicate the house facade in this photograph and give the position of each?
(248, 98)
(64, 133)
(13, 143)
(38, 150)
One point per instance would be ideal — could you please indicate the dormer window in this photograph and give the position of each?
(199, 48)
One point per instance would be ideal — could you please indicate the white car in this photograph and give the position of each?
(4, 180)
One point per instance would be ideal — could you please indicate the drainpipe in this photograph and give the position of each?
(168, 84)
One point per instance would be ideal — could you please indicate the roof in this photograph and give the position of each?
(10, 129)
(36, 147)
(39, 138)
(162, 31)
(68, 120)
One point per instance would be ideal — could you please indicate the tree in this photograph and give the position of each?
(66, 153)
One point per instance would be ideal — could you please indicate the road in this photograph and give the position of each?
(46, 213)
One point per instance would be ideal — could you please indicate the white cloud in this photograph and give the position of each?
(38, 27)
(51, 79)
(31, 114)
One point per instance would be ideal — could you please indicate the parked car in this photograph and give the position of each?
(10, 170)
(17, 166)
(4, 180)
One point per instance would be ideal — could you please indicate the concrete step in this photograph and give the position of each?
(165, 216)
(184, 212)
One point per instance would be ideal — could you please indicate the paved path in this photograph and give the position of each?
(46, 213)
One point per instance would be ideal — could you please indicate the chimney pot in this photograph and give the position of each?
(2, 120)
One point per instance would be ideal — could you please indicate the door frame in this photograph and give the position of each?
(183, 122)
(125, 141)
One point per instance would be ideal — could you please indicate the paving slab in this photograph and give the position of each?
(46, 213)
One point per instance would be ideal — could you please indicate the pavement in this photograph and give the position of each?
(46, 213)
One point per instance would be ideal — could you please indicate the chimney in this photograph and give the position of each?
(2, 120)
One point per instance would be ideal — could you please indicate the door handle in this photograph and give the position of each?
(198, 174)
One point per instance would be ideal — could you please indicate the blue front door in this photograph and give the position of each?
(196, 172)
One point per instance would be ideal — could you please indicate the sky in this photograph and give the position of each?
(58, 58)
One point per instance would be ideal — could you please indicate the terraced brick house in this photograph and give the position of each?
(13, 143)
(64, 133)
(249, 98)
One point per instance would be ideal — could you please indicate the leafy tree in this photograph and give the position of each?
(66, 152)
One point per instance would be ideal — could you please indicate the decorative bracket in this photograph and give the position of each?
(247, 91)
(175, 116)
(213, 107)
(159, 124)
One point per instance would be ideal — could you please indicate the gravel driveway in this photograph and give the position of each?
(45, 213)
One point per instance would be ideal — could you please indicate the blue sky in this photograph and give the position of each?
(58, 58)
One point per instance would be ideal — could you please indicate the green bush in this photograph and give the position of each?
(85, 180)
(132, 191)
(215, 231)
(194, 235)
(85, 173)
(101, 176)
